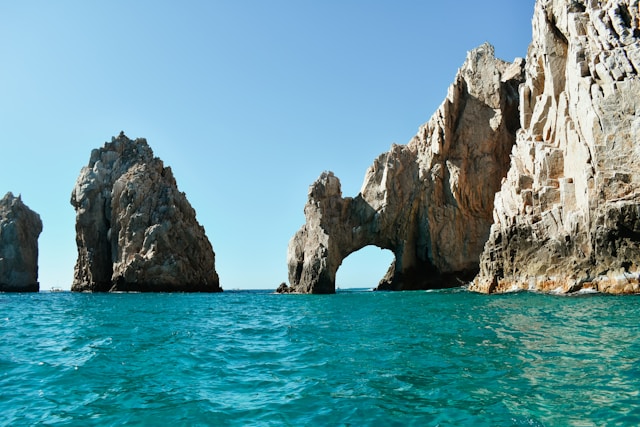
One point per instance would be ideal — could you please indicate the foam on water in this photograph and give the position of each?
(354, 358)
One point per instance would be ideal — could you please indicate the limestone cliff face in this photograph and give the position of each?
(19, 231)
(568, 214)
(429, 201)
(134, 230)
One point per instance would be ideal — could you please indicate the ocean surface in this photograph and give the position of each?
(357, 358)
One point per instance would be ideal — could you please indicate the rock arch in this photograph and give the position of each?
(430, 202)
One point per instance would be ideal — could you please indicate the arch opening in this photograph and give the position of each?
(364, 268)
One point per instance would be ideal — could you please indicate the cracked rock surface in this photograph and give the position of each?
(567, 217)
(429, 201)
(20, 228)
(134, 230)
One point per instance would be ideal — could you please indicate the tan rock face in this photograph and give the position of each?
(429, 201)
(134, 230)
(19, 231)
(568, 214)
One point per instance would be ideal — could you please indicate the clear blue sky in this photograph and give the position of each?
(247, 101)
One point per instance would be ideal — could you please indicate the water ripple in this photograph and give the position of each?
(356, 358)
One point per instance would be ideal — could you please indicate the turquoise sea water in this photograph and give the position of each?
(448, 358)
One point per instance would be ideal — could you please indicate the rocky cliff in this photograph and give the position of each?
(430, 201)
(567, 216)
(19, 231)
(134, 230)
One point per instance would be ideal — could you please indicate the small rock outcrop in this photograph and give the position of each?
(430, 201)
(568, 214)
(20, 228)
(134, 230)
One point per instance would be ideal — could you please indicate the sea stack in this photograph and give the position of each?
(430, 202)
(19, 231)
(134, 230)
(567, 217)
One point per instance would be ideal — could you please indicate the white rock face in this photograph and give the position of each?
(429, 201)
(568, 214)
(134, 230)
(20, 228)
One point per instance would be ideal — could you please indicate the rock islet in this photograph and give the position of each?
(135, 231)
(20, 228)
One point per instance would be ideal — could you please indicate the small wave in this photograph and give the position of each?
(587, 291)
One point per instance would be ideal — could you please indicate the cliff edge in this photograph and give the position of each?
(567, 217)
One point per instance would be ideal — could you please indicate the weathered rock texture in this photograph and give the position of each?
(134, 230)
(429, 201)
(568, 214)
(19, 231)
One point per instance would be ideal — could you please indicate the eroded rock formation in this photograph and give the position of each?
(568, 215)
(429, 201)
(134, 230)
(19, 231)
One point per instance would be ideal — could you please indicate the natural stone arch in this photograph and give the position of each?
(430, 202)
(337, 227)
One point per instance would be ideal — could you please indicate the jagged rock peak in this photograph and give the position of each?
(134, 230)
(429, 201)
(20, 228)
(567, 217)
